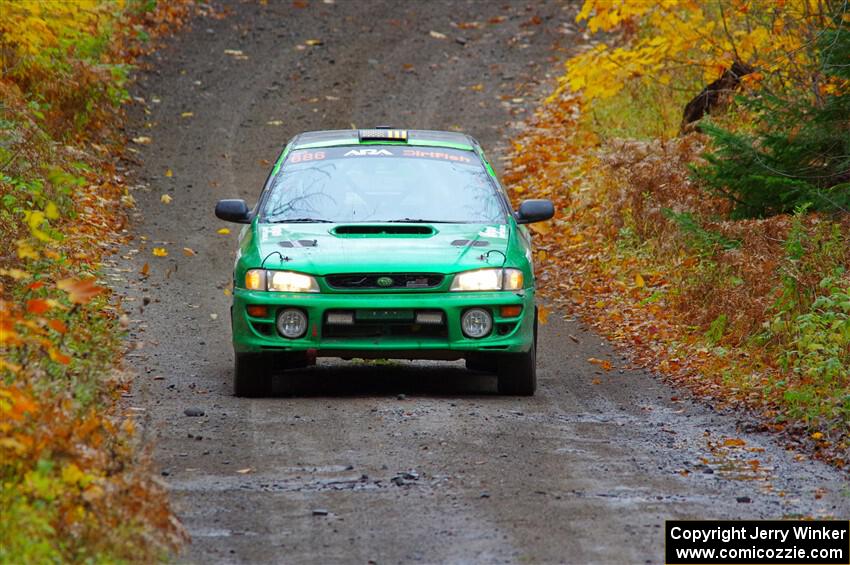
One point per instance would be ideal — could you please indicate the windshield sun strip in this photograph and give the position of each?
(292, 147)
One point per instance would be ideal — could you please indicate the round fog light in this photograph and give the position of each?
(292, 323)
(476, 322)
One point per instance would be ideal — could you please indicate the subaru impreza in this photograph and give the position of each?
(384, 244)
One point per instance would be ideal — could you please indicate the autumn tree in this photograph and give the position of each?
(784, 145)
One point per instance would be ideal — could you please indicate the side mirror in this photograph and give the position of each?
(531, 211)
(233, 210)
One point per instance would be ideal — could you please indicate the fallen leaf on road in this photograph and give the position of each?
(542, 314)
(236, 54)
(437, 34)
(477, 87)
(223, 231)
(274, 123)
(165, 199)
(734, 442)
(314, 42)
(187, 114)
(146, 269)
(244, 471)
(160, 252)
(603, 363)
(169, 173)
(189, 252)
(142, 140)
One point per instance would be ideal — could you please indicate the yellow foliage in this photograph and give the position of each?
(32, 25)
(661, 39)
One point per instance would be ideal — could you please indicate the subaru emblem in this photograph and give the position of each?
(385, 281)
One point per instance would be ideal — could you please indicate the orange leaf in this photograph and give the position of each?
(6, 364)
(80, 291)
(542, 314)
(603, 363)
(58, 356)
(734, 442)
(58, 325)
(8, 335)
(146, 269)
(37, 306)
(541, 228)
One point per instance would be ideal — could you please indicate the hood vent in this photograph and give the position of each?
(465, 242)
(299, 243)
(382, 230)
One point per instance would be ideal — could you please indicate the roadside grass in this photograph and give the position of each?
(76, 485)
(641, 112)
(751, 313)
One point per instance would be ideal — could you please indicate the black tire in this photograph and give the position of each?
(518, 371)
(252, 375)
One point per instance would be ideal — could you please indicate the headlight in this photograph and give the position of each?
(280, 281)
(488, 279)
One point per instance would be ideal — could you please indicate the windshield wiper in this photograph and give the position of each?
(301, 221)
(420, 221)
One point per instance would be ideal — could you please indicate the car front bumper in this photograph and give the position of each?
(385, 339)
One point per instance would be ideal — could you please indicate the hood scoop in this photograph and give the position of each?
(383, 230)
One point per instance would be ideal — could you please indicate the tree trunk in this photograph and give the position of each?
(713, 97)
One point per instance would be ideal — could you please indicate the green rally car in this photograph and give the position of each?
(388, 244)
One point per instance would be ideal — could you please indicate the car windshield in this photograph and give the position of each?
(383, 183)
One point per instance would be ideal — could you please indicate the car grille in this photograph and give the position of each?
(385, 323)
(386, 330)
(388, 281)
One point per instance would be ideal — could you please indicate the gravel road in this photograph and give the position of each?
(397, 462)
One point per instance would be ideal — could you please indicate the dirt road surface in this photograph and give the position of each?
(397, 462)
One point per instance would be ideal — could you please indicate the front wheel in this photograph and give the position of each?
(517, 372)
(252, 375)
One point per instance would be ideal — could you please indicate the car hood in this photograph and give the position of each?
(323, 249)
